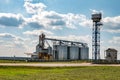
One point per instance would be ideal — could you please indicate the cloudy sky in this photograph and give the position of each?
(21, 21)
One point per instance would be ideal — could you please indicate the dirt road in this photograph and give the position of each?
(55, 64)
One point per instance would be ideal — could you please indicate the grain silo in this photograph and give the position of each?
(61, 50)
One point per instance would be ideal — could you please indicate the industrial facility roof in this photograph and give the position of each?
(111, 49)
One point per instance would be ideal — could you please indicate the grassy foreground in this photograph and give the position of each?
(18, 61)
(63, 73)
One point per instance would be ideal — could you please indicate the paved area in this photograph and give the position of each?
(55, 64)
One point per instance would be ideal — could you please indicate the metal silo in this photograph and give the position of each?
(84, 53)
(62, 52)
(74, 52)
(55, 52)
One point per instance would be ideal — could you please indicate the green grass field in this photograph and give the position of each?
(17, 61)
(60, 73)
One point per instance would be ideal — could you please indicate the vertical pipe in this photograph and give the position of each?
(95, 41)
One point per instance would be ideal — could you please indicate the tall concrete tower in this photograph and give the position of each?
(96, 17)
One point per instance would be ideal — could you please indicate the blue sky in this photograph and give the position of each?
(21, 21)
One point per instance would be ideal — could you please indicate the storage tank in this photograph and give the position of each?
(61, 52)
(84, 53)
(74, 52)
(55, 52)
(65, 52)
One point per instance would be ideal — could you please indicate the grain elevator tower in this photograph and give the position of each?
(96, 17)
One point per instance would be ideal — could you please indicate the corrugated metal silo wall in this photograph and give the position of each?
(74, 52)
(62, 52)
(84, 53)
(55, 53)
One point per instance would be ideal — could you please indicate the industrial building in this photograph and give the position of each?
(60, 50)
(111, 55)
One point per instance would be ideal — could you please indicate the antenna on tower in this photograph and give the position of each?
(96, 17)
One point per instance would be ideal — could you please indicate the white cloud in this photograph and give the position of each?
(11, 45)
(10, 39)
(76, 20)
(42, 18)
(86, 23)
(115, 41)
(112, 31)
(47, 19)
(9, 19)
(51, 19)
(111, 20)
(11, 52)
(34, 8)
(112, 24)
(37, 32)
(8, 35)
